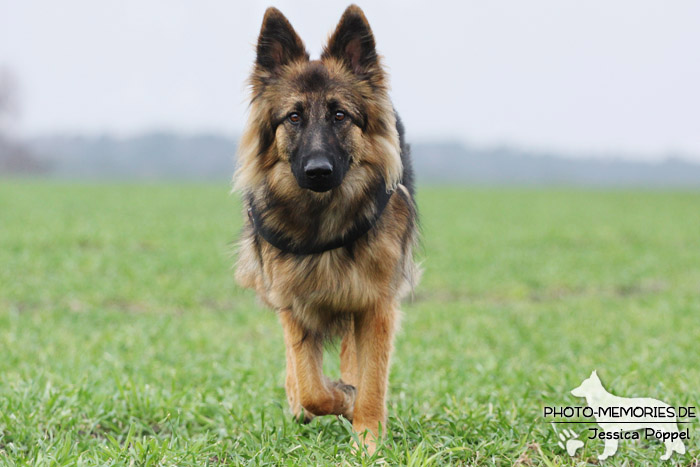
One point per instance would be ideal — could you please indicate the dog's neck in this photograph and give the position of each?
(315, 225)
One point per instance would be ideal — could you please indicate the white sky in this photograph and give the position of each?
(576, 76)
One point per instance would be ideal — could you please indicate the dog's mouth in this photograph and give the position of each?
(319, 186)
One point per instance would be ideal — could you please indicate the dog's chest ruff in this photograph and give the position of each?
(312, 246)
(375, 268)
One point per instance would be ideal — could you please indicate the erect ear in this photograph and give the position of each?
(594, 374)
(353, 42)
(278, 43)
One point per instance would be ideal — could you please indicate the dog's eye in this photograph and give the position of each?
(295, 118)
(339, 116)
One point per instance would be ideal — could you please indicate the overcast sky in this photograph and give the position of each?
(578, 76)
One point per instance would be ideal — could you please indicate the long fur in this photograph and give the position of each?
(359, 285)
(344, 280)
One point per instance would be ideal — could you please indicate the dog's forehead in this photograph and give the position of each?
(318, 76)
(313, 77)
(314, 85)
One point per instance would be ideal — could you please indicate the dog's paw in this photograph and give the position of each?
(367, 439)
(368, 446)
(298, 413)
(573, 444)
(349, 391)
(302, 416)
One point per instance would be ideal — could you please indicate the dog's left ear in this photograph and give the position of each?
(353, 43)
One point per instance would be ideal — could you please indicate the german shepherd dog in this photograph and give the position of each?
(330, 217)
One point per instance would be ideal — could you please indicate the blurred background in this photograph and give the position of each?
(539, 92)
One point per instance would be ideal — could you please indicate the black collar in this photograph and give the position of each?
(280, 241)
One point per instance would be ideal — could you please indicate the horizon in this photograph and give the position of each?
(523, 151)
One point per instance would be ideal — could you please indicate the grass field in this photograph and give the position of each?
(124, 340)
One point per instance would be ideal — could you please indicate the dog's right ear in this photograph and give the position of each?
(278, 43)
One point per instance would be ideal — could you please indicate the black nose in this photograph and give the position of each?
(318, 168)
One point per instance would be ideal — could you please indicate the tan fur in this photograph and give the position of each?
(354, 293)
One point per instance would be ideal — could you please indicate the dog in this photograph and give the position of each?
(329, 213)
(606, 407)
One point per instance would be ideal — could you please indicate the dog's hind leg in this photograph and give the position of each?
(314, 393)
(374, 334)
(348, 357)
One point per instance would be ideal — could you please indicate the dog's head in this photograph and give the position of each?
(318, 120)
(590, 385)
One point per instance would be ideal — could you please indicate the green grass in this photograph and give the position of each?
(124, 340)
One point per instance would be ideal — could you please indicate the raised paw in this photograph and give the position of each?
(298, 413)
(349, 392)
(348, 389)
(302, 416)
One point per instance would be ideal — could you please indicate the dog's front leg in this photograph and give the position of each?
(374, 335)
(309, 388)
(348, 357)
(290, 383)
